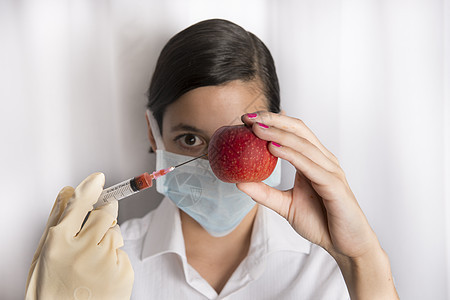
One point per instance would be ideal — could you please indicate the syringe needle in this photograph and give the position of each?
(190, 160)
(133, 185)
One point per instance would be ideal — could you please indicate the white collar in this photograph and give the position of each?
(164, 234)
(271, 233)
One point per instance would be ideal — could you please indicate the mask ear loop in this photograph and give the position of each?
(155, 131)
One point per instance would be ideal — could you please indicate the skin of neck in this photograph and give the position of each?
(216, 258)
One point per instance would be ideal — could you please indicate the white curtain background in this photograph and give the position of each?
(371, 78)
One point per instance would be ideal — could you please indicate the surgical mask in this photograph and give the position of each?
(217, 206)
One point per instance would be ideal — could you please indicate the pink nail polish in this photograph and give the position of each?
(276, 144)
(262, 125)
(252, 115)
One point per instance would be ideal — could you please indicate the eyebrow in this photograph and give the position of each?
(185, 127)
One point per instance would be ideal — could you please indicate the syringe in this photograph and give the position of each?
(134, 185)
(129, 187)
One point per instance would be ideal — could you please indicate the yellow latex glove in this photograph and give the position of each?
(70, 263)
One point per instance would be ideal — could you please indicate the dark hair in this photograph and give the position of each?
(211, 52)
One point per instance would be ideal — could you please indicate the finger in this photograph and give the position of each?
(308, 199)
(306, 166)
(99, 222)
(60, 205)
(111, 208)
(290, 124)
(113, 238)
(300, 144)
(268, 196)
(81, 202)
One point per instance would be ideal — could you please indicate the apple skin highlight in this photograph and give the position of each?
(236, 155)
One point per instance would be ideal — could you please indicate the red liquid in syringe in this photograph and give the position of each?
(144, 181)
(130, 186)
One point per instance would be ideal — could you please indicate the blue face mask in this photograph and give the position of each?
(217, 206)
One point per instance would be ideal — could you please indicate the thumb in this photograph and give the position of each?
(278, 201)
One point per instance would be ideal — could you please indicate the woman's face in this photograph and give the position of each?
(189, 122)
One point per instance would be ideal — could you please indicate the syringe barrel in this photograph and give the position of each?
(117, 192)
(125, 189)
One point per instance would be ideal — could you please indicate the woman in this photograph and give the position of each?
(211, 74)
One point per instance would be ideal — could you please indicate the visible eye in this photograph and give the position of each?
(189, 140)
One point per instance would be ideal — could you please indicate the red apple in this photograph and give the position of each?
(236, 154)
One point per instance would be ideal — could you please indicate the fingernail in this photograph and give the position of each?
(262, 125)
(252, 115)
(276, 144)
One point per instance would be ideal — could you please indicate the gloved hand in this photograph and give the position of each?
(70, 263)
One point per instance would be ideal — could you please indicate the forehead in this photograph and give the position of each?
(208, 108)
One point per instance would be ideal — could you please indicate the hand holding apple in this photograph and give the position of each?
(321, 206)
